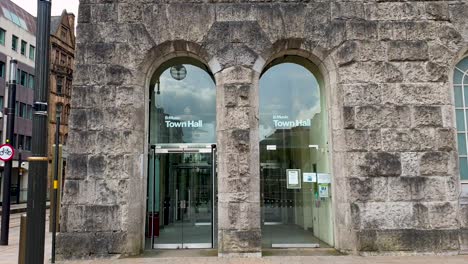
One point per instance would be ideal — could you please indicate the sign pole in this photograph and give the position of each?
(56, 182)
(8, 164)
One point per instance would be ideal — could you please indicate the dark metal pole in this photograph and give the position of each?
(18, 180)
(55, 184)
(37, 183)
(9, 164)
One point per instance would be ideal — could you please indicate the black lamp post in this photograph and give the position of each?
(9, 164)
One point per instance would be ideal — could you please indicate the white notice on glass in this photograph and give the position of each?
(309, 177)
(293, 177)
(323, 178)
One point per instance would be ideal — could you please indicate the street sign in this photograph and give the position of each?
(6, 152)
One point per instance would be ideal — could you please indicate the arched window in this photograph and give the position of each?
(294, 167)
(460, 85)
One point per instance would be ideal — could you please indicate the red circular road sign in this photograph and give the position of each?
(6, 152)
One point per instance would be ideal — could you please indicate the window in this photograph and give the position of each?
(59, 85)
(14, 43)
(2, 36)
(1, 105)
(24, 46)
(460, 83)
(27, 143)
(32, 52)
(63, 59)
(24, 79)
(293, 139)
(20, 141)
(29, 112)
(68, 87)
(23, 110)
(2, 69)
(31, 81)
(14, 18)
(13, 140)
(66, 114)
(57, 57)
(16, 108)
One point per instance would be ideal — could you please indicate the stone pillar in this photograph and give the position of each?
(239, 229)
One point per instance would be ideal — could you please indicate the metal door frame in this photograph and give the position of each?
(187, 148)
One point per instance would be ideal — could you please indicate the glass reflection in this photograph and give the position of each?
(183, 111)
(296, 206)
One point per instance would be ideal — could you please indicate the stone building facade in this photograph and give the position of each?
(385, 67)
(62, 62)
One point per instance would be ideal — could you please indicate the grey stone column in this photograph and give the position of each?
(239, 230)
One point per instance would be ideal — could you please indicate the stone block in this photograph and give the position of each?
(237, 95)
(95, 119)
(74, 245)
(77, 166)
(409, 164)
(410, 140)
(381, 164)
(370, 72)
(368, 189)
(104, 12)
(411, 240)
(111, 192)
(72, 218)
(118, 75)
(241, 216)
(233, 241)
(102, 218)
(457, 13)
(395, 11)
(348, 117)
(443, 215)
(89, 244)
(385, 215)
(361, 29)
(427, 116)
(99, 53)
(435, 163)
(129, 12)
(361, 94)
(79, 192)
(373, 117)
(347, 10)
(464, 216)
(360, 50)
(417, 94)
(109, 141)
(407, 50)
(437, 10)
(363, 140)
(78, 119)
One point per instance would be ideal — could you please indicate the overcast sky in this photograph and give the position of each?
(57, 6)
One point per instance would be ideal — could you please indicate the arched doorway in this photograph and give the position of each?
(181, 160)
(294, 156)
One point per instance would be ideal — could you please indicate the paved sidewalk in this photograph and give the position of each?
(289, 260)
(9, 254)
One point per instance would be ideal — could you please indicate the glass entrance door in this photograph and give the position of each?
(184, 192)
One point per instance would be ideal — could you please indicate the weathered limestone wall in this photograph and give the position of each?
(386, 67)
